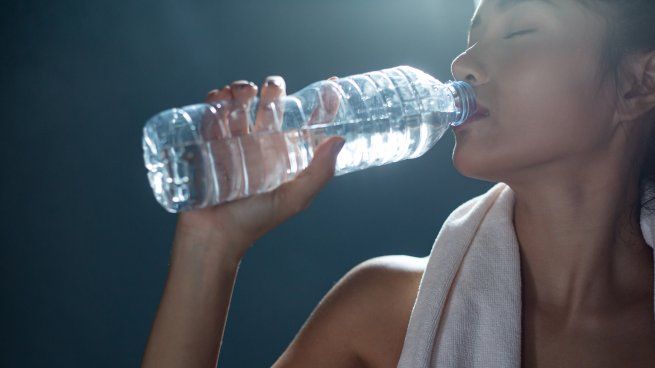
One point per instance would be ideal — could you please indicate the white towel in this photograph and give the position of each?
(468, 309)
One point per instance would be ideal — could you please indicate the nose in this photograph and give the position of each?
(465, 68)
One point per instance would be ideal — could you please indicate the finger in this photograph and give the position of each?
(222, 94)
(296, 195)
(270, 110)
(334, 98)
(243, 92)
(329, 101)
(216, 125)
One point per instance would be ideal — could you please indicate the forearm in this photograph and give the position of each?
(188, 328)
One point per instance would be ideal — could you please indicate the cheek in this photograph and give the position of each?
(543, 99)
(543, 109)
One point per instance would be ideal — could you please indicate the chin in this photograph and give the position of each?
(474, 165)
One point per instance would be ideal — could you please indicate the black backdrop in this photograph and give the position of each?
(84, 244)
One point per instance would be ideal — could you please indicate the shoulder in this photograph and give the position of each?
(378, 284)
(391, 284)
(363, 317)
(386, 271)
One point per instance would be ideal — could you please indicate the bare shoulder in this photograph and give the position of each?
(362, 320)
(397, 263)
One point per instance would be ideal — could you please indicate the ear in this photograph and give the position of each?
(637, 87)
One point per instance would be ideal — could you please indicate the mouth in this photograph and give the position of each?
(481, 113)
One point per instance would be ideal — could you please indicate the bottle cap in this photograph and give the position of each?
(464, 101)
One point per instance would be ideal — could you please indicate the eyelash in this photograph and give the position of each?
(519, 33)
(513, 34)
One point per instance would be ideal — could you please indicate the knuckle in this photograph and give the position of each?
(280, 195)
(285, 197)
(301, 204)
(267, 108)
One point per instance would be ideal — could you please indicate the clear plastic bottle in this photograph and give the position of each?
(194, 160)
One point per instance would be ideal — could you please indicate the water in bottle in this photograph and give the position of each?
(195, 159)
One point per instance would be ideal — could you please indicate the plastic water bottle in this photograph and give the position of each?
(195, 161)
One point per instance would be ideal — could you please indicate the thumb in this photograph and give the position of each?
(321, 168)
(306, 185)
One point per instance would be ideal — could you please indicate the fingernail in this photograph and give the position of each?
(212, 92)
(242, 83)
(275, 81)
(337, 147)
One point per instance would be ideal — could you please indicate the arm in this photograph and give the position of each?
(190, 321)
(210, 242)
(362, 320)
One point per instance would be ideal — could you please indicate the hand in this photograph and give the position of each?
(237, 224)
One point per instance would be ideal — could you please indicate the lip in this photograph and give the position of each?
(480, 113)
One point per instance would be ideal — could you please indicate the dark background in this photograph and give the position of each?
(85, 246)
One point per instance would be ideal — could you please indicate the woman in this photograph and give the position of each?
(570, 89)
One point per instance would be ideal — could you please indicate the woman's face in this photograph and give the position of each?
(534, 66)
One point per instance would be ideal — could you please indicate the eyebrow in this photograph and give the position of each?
(503, 5)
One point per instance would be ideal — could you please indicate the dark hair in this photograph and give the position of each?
(630, 28)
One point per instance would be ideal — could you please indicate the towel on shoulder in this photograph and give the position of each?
(468, 309)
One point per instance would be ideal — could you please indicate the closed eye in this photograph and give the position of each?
(519, 33)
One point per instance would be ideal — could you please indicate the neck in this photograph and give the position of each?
(581, 244)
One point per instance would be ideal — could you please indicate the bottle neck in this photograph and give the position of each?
(464, 96)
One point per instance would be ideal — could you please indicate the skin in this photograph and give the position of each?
(565, 143)
(569, 148)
